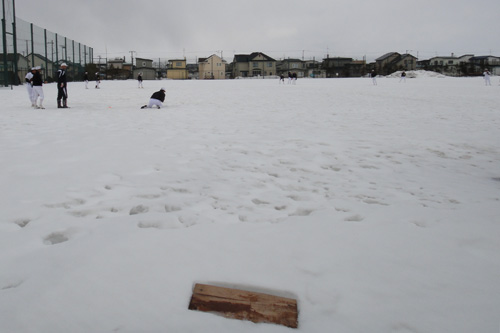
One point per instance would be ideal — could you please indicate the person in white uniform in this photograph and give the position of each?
(29, 85)
(487, 75)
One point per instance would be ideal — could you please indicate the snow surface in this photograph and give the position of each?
(376, 207)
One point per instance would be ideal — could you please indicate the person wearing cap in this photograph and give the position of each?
(373, 75)
(487, 75)
(62, 89)
(37, 82)
(139, 80)
(156, 99)
(97, 80)
(29, 85)
(86, 80)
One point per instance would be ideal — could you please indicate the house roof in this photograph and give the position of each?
(292, 60)
(483, 57)
(251, 57)
(385, 56)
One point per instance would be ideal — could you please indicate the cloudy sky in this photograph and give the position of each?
(280, 28)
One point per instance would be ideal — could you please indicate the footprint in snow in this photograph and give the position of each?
(56, 238)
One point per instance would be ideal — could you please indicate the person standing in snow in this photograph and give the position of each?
(97, 80)
(37, 82)
(403, 77)
(139, 80)
(62, 87)
(156, 99)
(29, 86)
(294, 78)
(487, 75)
(373, 75)
(289, 77)
(282, 78)
(86, 80)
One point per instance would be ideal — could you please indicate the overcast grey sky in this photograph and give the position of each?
(280, 28)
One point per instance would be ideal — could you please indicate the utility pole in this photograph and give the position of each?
(14, 37)
(4, 39)
(132, 57)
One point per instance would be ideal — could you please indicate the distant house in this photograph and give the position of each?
(212, 68)
(49, 68)
(314, 69)
(393, 61)
(344, 67)
(23, 68)
(192, 70)
(117, 69)
(253, 65)
(296, 66)
(144, 66)
(116, 63)
(449, 65)
(177, 69)
(480, 63)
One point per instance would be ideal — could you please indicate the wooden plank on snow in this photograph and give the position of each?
(245, 305)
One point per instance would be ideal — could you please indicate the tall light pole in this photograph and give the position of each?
(4, 40)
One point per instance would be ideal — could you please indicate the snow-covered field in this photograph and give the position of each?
(376, 207)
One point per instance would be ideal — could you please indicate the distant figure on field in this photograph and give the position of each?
(86, 80)
(373, 75)
(156, 99)
(282, 78)
(403, 77)
(294, 78)
(29, 85)
(37, 88)
(289, 77)
(487, 75)
(62, 87)
(97, 80)
(139, 80)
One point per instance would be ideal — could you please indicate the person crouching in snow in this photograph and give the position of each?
(156, 99)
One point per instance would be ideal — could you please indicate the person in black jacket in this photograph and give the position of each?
(373, 75)
(156, 99)
(139, 80)
(37, 83)
(62, 89)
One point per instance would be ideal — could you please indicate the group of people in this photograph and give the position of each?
(97, 80)
(292, 78)
(34, 85)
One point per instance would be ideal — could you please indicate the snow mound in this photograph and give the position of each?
(417, 74)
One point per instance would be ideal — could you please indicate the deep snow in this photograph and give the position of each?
(376, 207)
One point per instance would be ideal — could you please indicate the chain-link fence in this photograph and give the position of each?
(25, 45)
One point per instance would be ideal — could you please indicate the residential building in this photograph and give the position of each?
(314, 70)
(296, 66)
(212, 68)
(256, 64)
(449, 65)
(343, 67)
(116, 63)
(480, 63)
(23, 67)
(177, 70)
(49, 68)
(393, 61)
(144, 66)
